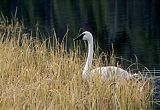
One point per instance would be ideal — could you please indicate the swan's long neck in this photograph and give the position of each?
(88, 64)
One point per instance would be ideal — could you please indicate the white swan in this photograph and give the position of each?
(104, 72)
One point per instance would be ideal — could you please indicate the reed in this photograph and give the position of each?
(35, 77)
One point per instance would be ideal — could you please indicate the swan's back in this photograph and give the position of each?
(110, 72)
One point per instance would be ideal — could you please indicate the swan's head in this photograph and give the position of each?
(85, 36)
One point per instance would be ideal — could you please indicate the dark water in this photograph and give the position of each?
(133, 26)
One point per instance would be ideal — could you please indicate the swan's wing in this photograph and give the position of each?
(110, 72)
(102, 71)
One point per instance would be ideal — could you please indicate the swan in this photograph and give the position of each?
(104, 72)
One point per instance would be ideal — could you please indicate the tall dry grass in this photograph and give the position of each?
(35, 78)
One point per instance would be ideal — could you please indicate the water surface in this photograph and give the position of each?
(133, 27)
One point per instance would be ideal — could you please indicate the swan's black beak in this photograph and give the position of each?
(80, 37)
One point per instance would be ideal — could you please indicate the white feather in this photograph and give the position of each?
(105, 72)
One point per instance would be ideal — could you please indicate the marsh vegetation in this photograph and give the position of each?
(37, 75)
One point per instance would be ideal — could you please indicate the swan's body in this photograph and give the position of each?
(110, 71)
(104, 72)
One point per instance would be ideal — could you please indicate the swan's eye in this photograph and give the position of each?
(80, 37)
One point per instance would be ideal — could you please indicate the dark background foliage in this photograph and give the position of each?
(133, 26)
